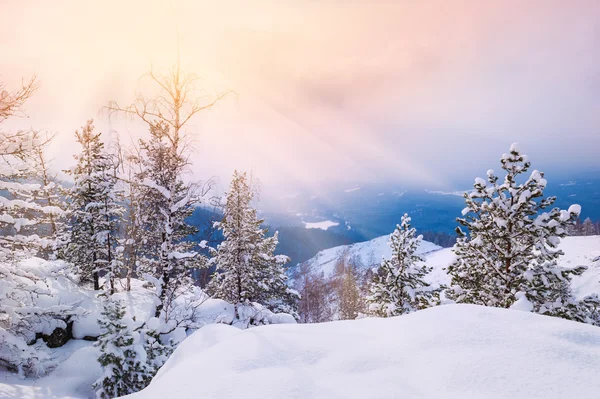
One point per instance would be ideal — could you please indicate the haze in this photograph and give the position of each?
(415, 91)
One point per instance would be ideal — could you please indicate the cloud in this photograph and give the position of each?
(412, 90)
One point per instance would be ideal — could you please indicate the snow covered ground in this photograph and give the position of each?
(446, 352)
(452, 351)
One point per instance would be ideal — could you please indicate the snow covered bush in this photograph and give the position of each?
(510, 251)
(122, 356)
(398, 286)
(24, 317)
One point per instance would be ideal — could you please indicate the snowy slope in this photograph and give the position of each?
(452, 351)
(578, 251)
(365, 254)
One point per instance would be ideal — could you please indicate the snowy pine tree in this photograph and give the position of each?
(247, 269)
(51, 195)
(398, 286)
(122, 356)
(510, 251)
(163, 202)
(166, 201)
(95, 211)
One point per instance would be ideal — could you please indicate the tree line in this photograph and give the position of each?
(124, 217)
(506, 255)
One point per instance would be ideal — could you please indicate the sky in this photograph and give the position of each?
(428, 91)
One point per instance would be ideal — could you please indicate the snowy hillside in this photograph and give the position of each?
(453, 351)
(578, 251)
(363, 254)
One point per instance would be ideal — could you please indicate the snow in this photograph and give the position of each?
(578, 251)
(325, 360)
(575, 208)
(514, 147)
(324, 225)
(452, 351)
(73, 378)
(351, 190)
(480, 182)
(366, 254)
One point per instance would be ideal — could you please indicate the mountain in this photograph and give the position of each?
(363, 255)
(312, 220)
(451, 351)
(367, 211)
(578, 251)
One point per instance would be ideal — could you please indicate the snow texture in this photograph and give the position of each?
(453, 351)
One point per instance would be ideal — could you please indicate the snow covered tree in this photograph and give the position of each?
(122, 356)
(21, 216)
(21, 212)
(247, 269)
(167, 200)
(51, 195)
(510, 251)
(162, 203)
(95, 211)
(398, 286)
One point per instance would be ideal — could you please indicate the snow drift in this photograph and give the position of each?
(453, 351)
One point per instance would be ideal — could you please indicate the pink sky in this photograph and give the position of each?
(326, 90)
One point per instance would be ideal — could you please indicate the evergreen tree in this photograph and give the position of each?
(164, 200)
(511, 249)
(157, 352)
(398, 286)
(121, 354)
(51, 195)
(162, 203)
(247, 269)
(95, 211)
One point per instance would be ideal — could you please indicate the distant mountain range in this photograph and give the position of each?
(312, 220)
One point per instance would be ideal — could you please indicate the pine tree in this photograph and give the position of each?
(121, 354)
(247, 269)
(167, 200)
(398, 286)
(511, 249)
(24, 210)
(95, 211)
(163, 203)
(52, 196)
(157, 352)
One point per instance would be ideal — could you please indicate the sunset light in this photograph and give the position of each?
(177, 176)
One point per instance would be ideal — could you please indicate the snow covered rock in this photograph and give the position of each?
(453, 351)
